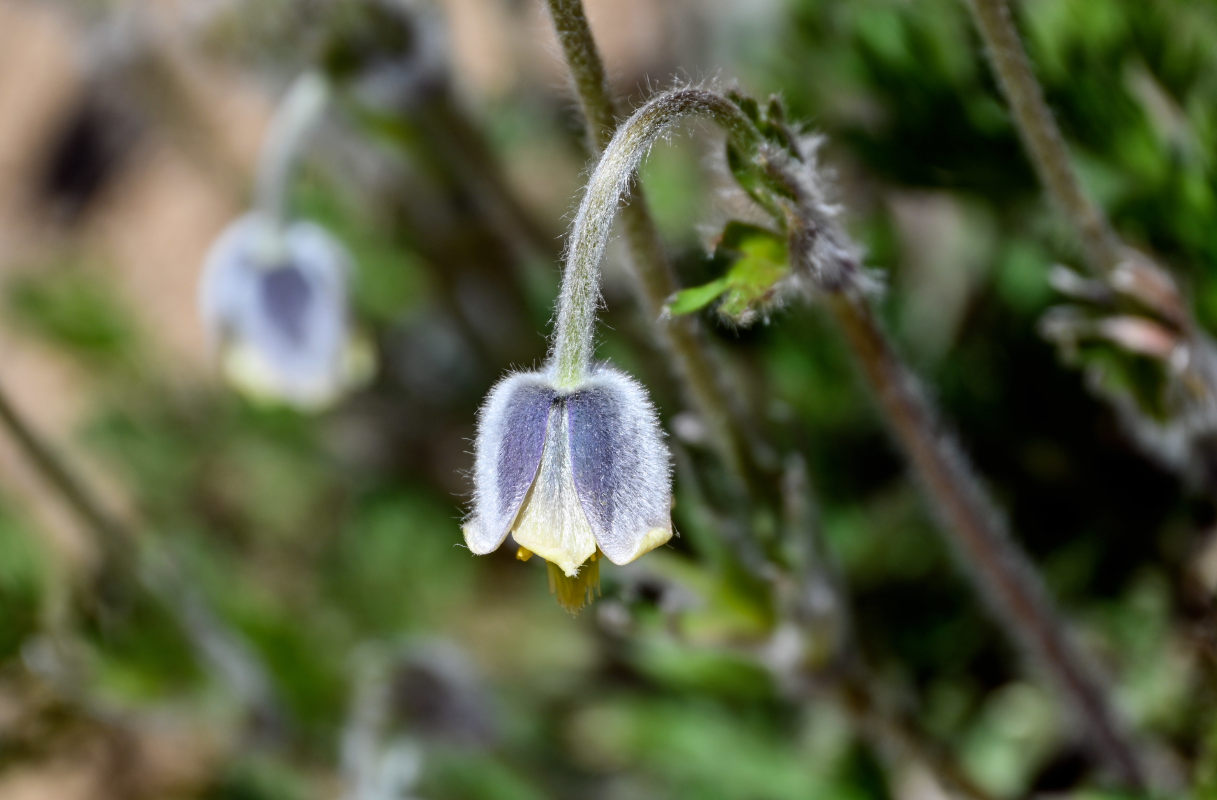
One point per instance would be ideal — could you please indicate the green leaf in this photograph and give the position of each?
(758, 261)
(695, 298)
(761, 263)
(73, 308)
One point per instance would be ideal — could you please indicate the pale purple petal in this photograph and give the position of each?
(510, 440)
(620, 464)
(285, 296)
(281, 295)
(296, 314)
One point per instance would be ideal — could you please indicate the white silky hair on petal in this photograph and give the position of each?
(552, 523)
(621, 465)
(509, 436)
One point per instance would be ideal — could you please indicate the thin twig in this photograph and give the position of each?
(1001, 570)
(112, 537)
(155, 571)
(841, 674)
(894, 734)
(1041, 136)
(655, 279)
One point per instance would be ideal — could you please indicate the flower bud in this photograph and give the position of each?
(275, 302)
(571, 474)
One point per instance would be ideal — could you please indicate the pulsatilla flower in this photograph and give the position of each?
(570, 460)
(571, 473)
(275, 302)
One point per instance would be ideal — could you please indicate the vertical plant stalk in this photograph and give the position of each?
(1041, 137)
(155, 572)
(1003, 573)
(842, 675)
(655, 280)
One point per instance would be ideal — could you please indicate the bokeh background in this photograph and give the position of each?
(323, 551)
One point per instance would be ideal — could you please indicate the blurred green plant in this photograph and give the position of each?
(76, 309)
(23, 586)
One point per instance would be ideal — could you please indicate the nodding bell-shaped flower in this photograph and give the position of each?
(571, 474)
(275, 302)
(570, 460)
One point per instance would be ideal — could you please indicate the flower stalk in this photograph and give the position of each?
(1001, 571)
(295, 119)
(610, 183)
(730, 434)
(1038, 129)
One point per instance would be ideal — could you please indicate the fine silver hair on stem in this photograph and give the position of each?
(573, 340)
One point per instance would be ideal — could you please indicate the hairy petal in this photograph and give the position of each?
(510, 440)
(620, 465)
(552, 523)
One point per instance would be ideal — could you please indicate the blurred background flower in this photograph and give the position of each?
(275, 303)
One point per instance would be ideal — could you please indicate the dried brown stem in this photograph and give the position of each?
(999, 567)
(155, 572)
(1041, 136)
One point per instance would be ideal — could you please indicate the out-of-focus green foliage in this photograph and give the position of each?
(23, 578)
(74, 309)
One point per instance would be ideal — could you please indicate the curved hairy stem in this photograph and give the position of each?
(573, 341)
(1041, 136)
(727, 427)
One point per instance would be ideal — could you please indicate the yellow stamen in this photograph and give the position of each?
(523, 554)
(574, 593)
